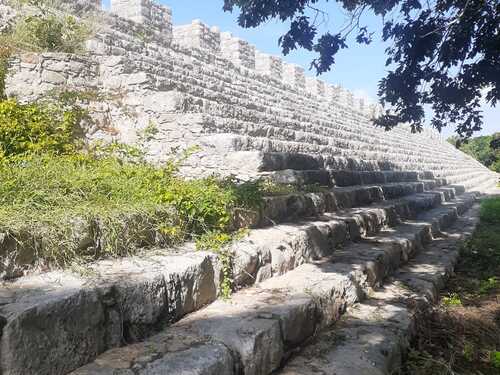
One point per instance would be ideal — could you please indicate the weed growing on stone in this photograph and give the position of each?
(90, 205)
(218, 242)
(453, 299)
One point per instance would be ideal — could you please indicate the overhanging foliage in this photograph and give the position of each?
(444, 53)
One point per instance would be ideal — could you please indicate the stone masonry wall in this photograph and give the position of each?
(198, 86)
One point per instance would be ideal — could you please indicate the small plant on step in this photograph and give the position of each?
(452, 300)
(218, 243)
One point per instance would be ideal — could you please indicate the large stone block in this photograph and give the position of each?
(269, 65)
(342, 96)
(198, 35)
(315, 86)
(294, 75)
(237, 50)
(53, 324)
(145, 12)
(81, 6)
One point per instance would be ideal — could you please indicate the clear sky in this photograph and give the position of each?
(358, 68)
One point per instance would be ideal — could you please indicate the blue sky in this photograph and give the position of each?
(358, 68)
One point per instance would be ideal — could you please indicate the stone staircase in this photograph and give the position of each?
(305, 277)
(310, 256)
(373, 336)
(329, 275)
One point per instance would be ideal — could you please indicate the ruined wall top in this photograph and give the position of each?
(158, 18)
(144, 12)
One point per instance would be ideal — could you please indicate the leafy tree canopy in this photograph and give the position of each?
(444, 54)
(480, 148)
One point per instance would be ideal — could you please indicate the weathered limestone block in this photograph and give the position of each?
(80, 7)
(145, 12)
(32, 75)
(198, 35)
(7, 16)
(237, 50)
(369, 342)
(157, 288)
(333, 93)
(269, 65)
(315, 86)
(166, 353)
(255, 337)
(344, 97)
(56, 322)
(294, 75)
(198, 359)
(35, 340)
(359, 104)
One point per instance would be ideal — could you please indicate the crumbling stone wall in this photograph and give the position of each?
(199, 86)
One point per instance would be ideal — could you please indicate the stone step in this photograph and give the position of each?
(261, 326)
(339, 178)
(349, 169)
(347, 178)
(54, 322)
(255, 161)
(320, 177)
(374, 335)
(472, 183)
(227, 143)
(270, 252)
(285, 120)
(398, 156)
(462, 177)
(291, 207)
(128, 299)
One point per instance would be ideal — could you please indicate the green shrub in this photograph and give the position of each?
(496, 165)
(203, 203)
(42, 28)
(35, 128)
(51, 203)
(121, 205)
(495, 359)
(49, 32)
(207, 204)
(5, 52)
(3, 74)
(452, 300)
(490, 211)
